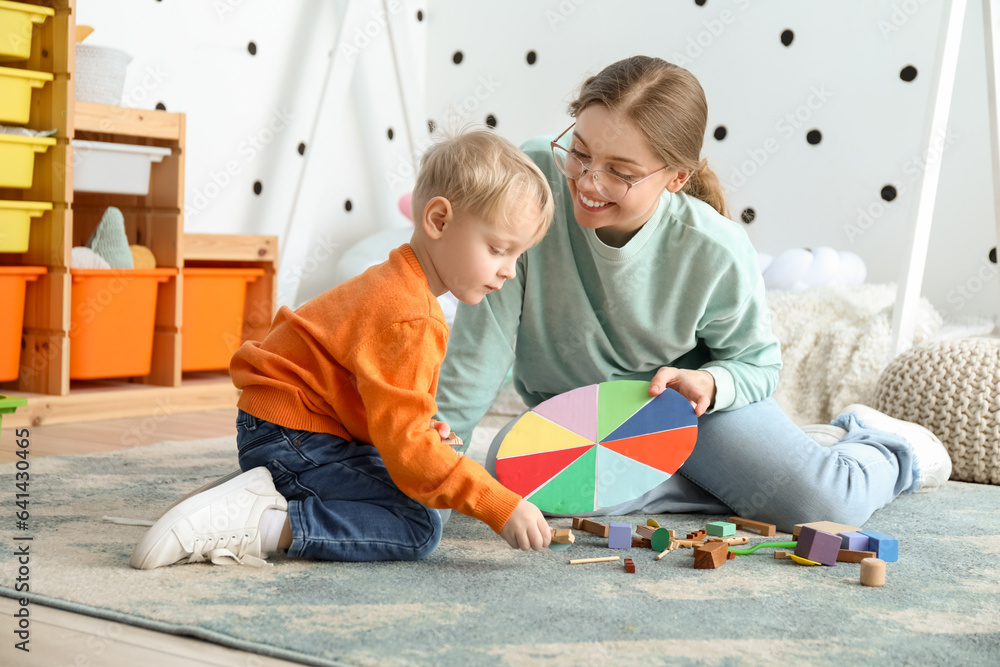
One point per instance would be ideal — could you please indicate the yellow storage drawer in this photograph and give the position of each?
(15, 93)
(17, 159)
(16, 22)
(15, 223)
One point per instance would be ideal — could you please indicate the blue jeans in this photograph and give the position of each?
(342, 504)
(756, 463)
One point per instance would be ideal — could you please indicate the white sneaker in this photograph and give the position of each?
(932, 457)
(221, 525)
(825, 434)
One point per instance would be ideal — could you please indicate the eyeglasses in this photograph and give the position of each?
(612, 187)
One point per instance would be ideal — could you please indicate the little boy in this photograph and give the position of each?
(342, 460)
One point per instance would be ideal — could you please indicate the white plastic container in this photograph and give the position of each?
(100, 166)
(100, 74)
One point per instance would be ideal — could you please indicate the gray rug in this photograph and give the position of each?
(477, 602)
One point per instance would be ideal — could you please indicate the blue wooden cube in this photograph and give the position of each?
(720, 528)
(854, 541)
(885, 547)
(620, 536)
(818, 545)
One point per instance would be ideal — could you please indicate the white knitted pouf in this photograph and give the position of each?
(951, 387)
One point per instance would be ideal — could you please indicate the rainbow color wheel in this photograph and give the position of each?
(597, 446)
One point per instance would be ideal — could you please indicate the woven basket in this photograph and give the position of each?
(100, 74)
(951, 387)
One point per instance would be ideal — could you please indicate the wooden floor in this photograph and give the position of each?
(64, 638)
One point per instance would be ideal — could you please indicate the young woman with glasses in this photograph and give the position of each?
(642, 276)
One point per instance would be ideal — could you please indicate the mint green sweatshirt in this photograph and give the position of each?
(685, 291)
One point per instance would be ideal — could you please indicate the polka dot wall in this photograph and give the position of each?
(817, 120)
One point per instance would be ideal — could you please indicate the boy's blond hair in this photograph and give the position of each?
(483, 174)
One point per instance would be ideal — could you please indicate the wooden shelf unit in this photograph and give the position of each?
(155, 220)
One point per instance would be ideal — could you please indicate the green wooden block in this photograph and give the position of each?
(720, 528)
(8, 404)
(660, 539)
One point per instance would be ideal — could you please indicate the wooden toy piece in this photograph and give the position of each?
(848, 556)
(761, 545)
(452, 440)
(730, 555)
(581, 561)
(592, 527)
(779, 554)
(825, 526)
(697, 535)
(765, 529)
(885, 547)
(742, 539)
(818, 545)
(710, 555)
(645, 531)
(873, 572)
(620, 536)
(802, 561)
(853, 541)
(653, 523)
(563, 536)
(663, 553)
(720, 528)
(661, 539)
(629, 566)
(641, 542)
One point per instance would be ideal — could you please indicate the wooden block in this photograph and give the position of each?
(697, 535)
(848, 556)
(453, 441)
(710, 555)
(720, 528)
(660, 539)
(581, 561)
(730, 555)
(730, 540)
(620, 536)
(765, 529)
(854, 541)
(641, 542)
(782, 555)
(818, 545)
(873, 572)
(563, 536)
(663, 553)
(592, 527)
(629, 566)
(645, 531)
(825, 526)
(688, 544)
(887, 548)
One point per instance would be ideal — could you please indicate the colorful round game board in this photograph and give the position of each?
(596, 446)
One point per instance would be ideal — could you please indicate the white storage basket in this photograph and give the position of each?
(100, 166)
(100, 74)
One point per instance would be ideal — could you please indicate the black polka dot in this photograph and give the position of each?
(45, 53)
(908, 73)
(532, 57)
(786, 37)
(420, 15)
(252, 48)
(491, 120)
(302, 148)
(161, 106)
(457, 57)
(700, 3)
(814, 137)
(258, 187)
(348, 205)
(430, 126)
(748, 215)
(888, 193)
(389, 133)
(993, 254)
(720, 132)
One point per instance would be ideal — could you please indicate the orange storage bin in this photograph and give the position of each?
(13, 284)
(112, 321)
(212, 324)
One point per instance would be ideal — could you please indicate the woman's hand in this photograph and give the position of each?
(526, 528)
(696, 386)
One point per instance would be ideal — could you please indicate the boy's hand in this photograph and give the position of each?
(698, 387)
(447, 437)
(526, 528)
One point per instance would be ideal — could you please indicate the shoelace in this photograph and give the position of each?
(226, 552)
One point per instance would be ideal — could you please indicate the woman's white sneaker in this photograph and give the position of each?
(825, 434)
(932, 457)
(221, 525)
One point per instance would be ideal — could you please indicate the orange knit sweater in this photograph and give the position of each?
(361, 361)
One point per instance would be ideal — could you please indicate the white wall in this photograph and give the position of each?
(840, 75)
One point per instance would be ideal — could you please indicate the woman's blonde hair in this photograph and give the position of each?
(667, 105)
(483, 174)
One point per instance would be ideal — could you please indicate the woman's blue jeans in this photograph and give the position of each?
(756, 463)
(342, 504)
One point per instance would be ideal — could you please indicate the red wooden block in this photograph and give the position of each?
(629, 566)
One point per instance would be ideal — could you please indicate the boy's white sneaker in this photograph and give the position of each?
(932, 457)
(825, 434)
(221, 525)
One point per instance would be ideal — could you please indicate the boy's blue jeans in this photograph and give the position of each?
(342, 504)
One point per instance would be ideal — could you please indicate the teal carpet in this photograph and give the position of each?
(477, 602)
